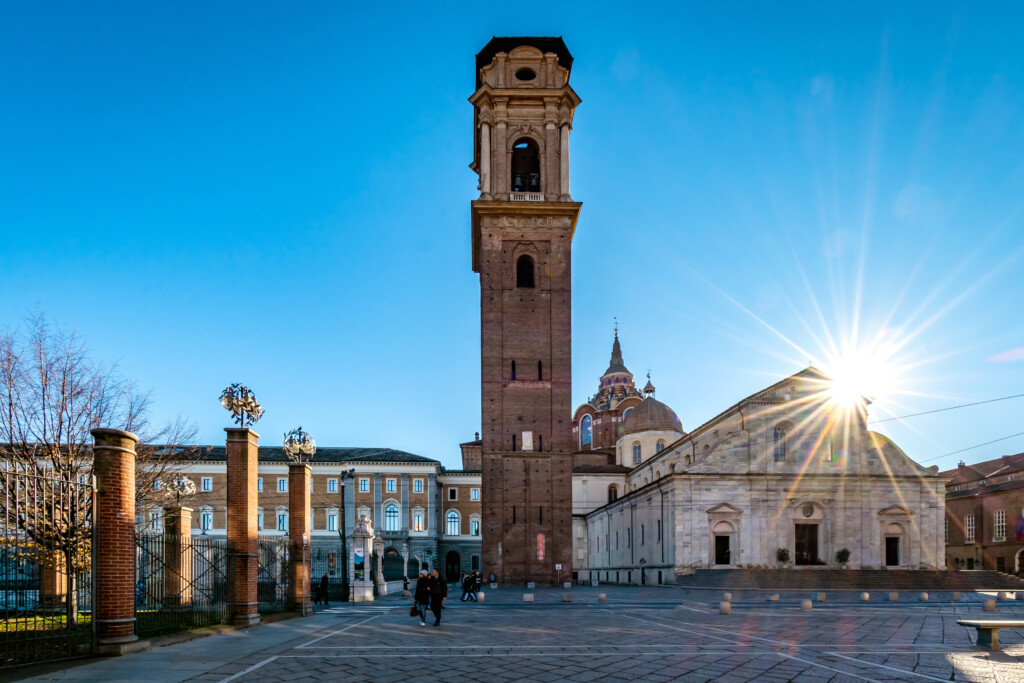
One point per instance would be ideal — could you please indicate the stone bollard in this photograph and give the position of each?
(923, 597)
(956, 596)
(894, 597)
(567, 584)
(727, 597)
(114, 612)
(602, 598)
(1001, 595)
(531, 584)
(406, 593)
(820, 597)
(806, 605)
(774, 597)
(989, 605)
(864, 597)
(725, 607)
(566, 597)
(528, 597)
(480, 596)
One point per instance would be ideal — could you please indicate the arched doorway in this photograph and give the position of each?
(723, 533)
(452, 566)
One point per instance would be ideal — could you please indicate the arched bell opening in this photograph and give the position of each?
(525, 166)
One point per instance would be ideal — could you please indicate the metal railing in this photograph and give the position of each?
(526, 196)
(273, 577)
(181, 583)
(46, 558)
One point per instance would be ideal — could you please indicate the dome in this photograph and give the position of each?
(651, 415)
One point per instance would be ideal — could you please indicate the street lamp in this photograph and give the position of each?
(299, 446)
(343, 533)
(241, 402)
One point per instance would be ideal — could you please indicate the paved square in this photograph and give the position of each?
(639, 634)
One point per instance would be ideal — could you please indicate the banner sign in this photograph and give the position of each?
(540, 546)
(359, 563)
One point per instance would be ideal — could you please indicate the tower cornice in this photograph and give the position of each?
(522, 210)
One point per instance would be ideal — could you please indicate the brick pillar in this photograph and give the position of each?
(114, 463)
(298, 534)
(242, 454)
(53, 583)
(178, 558)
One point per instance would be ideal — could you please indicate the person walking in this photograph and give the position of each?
(467, 588)
(422, 595)
(438, 592)
(478, 583)
(323, 589)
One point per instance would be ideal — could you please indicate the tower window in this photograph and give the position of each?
(513, 442)
(779, 452)
(513, 376)
(540, 371)
(525, 166)
(524, 272)
(525, 75)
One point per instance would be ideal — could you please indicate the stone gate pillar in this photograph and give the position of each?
(299, 476)
(178, 558)
(362, 549)
(114, 611)
(242, 456)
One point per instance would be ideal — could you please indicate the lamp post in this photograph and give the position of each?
(343, 533)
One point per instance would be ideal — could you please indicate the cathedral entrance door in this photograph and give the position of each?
(806, 543)
(722, 555)
(892, 551)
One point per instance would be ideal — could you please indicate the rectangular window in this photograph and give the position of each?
(417, 486)
(332, 486)
(312, 519)
(259, 520)
(282, 485)
(207, 483)
(332, 522)
(282, 521)
(945, 530)
(364, 485)
(206, 521)
(259, 484)
(417, 522)
(474, 494)
(969, 529)
(999, 525)
(154, 520)
(474, 528)
(474, 563)
(391, 485)
(311, 489)
(453, 494)
(156, 485)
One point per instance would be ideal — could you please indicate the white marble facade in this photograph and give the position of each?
(788, 467)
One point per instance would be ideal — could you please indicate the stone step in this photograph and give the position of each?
(851, 579)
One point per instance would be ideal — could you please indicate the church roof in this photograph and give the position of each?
(508, 43)
(651, 415)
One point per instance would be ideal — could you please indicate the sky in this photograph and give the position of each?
(278, 194)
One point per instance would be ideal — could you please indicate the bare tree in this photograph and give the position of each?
(53, 394)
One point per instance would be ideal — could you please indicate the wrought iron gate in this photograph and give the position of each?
(181, 583)
(273, 576)
(46, 558)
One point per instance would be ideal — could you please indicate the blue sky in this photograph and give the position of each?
(278, 194)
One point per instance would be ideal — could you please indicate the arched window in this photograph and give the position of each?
(586, 431)
(525, 166)
(524, 272)
(513, 372)
(452, 520)
(626, 412)
(660, 447)
(391, 518)
(613, 493)
(636, 452)
(780, 444)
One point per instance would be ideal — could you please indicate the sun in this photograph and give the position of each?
(860, 375)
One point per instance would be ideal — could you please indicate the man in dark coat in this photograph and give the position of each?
(422, 595)
(438, 592)
(467, 588)
(323, 589)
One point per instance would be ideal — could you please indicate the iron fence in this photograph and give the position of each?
(273, 576)
(327, 561)
(181, 582)
(46, 588)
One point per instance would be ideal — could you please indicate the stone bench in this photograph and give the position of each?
(988, 630)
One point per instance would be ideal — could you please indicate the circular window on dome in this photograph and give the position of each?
(525, 75)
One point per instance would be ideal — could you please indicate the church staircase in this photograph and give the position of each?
(851, 579)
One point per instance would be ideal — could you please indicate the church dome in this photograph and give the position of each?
(651, 415)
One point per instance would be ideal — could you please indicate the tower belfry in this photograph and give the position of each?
(523, 223)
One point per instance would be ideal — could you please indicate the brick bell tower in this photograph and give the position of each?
(523, 223)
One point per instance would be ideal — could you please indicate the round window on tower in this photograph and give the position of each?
(525, 75)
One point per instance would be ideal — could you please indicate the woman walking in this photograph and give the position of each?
(422, 596)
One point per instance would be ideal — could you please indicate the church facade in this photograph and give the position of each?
(787, 472)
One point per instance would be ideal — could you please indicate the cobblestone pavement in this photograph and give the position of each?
(652, 634)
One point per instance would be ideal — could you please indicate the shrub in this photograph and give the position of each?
(782, 554)
(843, 556)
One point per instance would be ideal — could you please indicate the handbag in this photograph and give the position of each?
(413, 611)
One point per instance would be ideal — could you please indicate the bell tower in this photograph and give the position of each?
(523, 223)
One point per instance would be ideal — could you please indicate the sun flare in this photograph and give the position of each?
(860, 374)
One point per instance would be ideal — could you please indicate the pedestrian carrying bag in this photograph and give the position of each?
(413, 612)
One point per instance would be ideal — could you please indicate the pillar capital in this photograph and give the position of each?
(242, 434)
